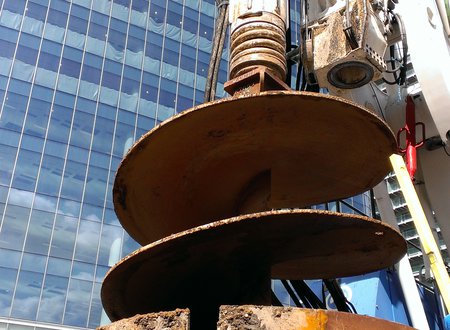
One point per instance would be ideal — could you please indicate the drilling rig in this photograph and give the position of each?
(219, 195)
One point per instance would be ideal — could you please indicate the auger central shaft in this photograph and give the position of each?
(258, 37)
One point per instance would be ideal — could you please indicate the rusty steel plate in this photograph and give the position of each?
(339, 320)
(231, 261)
(193, 168)
(270, 318)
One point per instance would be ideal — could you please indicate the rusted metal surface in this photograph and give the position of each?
(171, 320)
(275, 318)
(231, 261)
(194, 168)
(254, 82)
(258, 40)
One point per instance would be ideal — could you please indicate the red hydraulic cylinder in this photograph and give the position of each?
(410, 130)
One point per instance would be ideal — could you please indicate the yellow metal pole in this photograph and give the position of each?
(429, 245)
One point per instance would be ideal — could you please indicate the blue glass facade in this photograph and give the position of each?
(80, 81)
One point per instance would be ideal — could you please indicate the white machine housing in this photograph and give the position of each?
(347, 45)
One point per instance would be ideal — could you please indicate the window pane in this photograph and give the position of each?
(7, 158)
(45, 203)
(59, 267)
(49, 56)
(82, 129)
(37, 117)
(129, 245)
(78, 154)
(26, 298)
(96, 307)
(73, 183)
(8, 39)
(78, 19)
(96, 186)
(39, 232)
(50, 176)
(9, 259)
(16, 6)
(13, 111)
(110, 245)
(78, 300)
(103, 134)
(87, 241)
(124, 138)
(36, 11)
(14, 226)
(56, 17)
(20, 197)
(32, 143)
(83, 271)
(7, 282)
(28, 49)
(60, 121)
(111, 217)
(71, 62)
(33, 263)
(63, 241)
(26, 170)
(69, 207)
(98, 27)
(53, 298)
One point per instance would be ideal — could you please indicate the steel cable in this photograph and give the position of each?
(216, 53)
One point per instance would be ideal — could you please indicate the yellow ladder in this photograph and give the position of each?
(429, 245)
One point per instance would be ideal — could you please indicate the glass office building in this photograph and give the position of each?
(80, 81)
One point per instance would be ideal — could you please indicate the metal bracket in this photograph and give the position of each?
(253, 82)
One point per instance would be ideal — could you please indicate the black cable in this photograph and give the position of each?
(393, 71)
(301, 294)
(219, 54)
(299, 74)
(303, 86)
(299, 69)
(414, 245)
(392, 51)
(305, 291)
(392, 61)
(214, 62)
(378, 102)
(289, 63)
(303, 37)
(291, 294)
(373, 205)
(212, 59)
(396, 79)
(401, 79)
(338, 296)
(391, 82)
(352, 307)
(445, 150)
(405, 49)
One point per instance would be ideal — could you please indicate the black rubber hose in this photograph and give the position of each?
(292, 294)
(223, 35)
(338, 296)
(212, 61)
(305, 291)
(405, 49)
